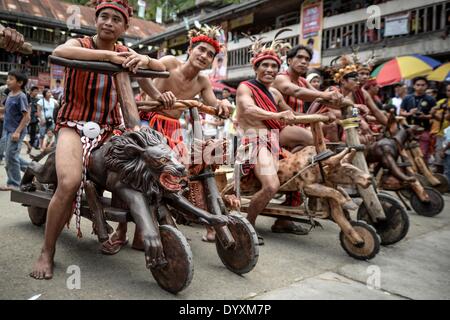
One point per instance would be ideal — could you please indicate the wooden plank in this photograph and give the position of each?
(274, 208)
(41, 199)
(319, 141)
(281, 210)
(294, 218)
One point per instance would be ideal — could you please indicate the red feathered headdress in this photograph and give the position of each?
(206, 34)
(273, 51)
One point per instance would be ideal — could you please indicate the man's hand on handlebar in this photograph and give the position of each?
(286, 117)
(333, 97)
(133, 61)
(13, 40)
(223, 108)
(363, 109)
(168, 99)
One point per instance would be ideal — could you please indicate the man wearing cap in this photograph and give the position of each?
(89, 97)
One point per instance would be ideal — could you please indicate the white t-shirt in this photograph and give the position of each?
(397, 102)
(47, 107)
(208, 128)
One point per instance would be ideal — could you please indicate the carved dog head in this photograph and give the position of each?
(339, 170)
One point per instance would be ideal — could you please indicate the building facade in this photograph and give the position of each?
(48, 23)
(345, 25)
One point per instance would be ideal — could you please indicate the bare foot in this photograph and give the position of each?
(210, 235)
(43, 267)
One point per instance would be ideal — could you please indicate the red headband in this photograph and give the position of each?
(266, 55)
(207, 39)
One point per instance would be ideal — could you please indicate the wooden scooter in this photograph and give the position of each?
(319, 172)
(382, 211)
(177, 274)
(236, 242)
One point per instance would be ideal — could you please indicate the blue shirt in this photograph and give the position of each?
(14, 108)
(423, 104)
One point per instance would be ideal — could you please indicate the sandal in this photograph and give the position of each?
(111, 247)
(260, 240)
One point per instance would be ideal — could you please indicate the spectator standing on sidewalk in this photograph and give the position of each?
(417, 107)
(17, 117)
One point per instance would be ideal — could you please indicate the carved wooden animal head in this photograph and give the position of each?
(339, 169)
(145, 162)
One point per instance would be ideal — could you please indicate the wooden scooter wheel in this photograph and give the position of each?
(396, 225)
(369, 248)
(243, 256)
(177, 274)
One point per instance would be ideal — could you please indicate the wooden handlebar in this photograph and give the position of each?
(26, 47)
(154, 106)
(345, 102)
(311, 118)
(105, 67)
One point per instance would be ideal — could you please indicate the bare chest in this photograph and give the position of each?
(180, 87)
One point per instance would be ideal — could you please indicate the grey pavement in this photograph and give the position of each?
(289, 267)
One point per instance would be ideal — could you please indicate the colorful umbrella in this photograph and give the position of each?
(441, 74)
(406, 67)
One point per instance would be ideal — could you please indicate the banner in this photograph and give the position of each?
(311, 24)
(32, 82)
(396, 25)
(56, 73)
(219, 65)
(43, 79)
(158, 18)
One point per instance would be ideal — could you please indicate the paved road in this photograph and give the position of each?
(289, 267)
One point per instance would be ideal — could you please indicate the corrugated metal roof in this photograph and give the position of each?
(58, 11)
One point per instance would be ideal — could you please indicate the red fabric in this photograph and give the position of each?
(359, 96)
(90, 96)
(169, 127)
(265, 103)
(293, 198)
(207, 39)
(256, 143)
(296, 104)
